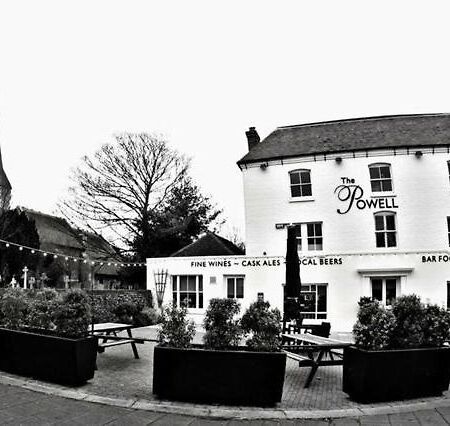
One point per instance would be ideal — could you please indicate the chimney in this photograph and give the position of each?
(252, 138)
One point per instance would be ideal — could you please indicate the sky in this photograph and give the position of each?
(75, 73)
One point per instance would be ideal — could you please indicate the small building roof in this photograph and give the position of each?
(57, 235)
(54, 232)
(357, 134)
(209, 244)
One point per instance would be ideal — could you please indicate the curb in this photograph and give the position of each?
(220, 412)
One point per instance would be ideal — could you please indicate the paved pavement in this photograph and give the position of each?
(121, 393)
(20, 406)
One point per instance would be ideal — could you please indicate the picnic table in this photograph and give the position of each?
(107, 332)
(311, 351)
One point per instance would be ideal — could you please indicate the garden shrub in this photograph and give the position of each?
(148, 316)
(13, 308)
(222, 330)
(126, 311)
(42, 308)
(264, 325)
(175, 329)
(72, 315)
(409, 324)
(105, 304)
(373, 329)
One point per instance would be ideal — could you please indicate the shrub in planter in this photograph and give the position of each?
(176, 330)
(73, 314)
(32, 345)
(221, 329)
(398, 352)
(13, 308)
(264, 325)
(220, 371)
(41, 309)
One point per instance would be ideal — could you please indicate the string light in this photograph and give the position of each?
(74, 259)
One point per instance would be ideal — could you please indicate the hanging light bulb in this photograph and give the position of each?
(20, 248)
(7, 244)
(45, 254)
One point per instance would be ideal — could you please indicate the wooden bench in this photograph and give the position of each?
(303, 361)
(101, 346)
(107, 336)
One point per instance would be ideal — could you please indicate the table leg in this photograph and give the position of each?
(133, 345)
(314, 368)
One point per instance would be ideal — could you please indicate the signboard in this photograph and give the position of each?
(352, 196)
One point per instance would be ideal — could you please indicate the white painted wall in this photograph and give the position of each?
(421, 189)
(267, 278)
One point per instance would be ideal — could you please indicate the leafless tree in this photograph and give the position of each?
(116, 191)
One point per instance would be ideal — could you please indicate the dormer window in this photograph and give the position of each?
(380, 177)
(300, 183)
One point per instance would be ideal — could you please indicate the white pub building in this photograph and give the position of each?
(370, 201)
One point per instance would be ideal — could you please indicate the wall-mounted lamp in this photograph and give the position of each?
(338, 160)
(263, 166)
(418, 154)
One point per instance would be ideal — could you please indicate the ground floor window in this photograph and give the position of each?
(385, 289)
(313, 301)
(187, 290)
(235, 287)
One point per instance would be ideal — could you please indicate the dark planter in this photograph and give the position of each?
(234, 377)
(371, 376)
(56, 359)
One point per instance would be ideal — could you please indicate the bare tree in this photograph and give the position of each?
(114, 192)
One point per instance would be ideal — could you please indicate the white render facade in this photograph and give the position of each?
(370, 206)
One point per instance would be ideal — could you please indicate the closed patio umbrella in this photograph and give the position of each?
(293, 283)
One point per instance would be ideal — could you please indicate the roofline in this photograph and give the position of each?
(375, 117)
(312, 154)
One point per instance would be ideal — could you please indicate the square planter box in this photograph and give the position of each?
(234, 377)
(56, 359)
(370, 376)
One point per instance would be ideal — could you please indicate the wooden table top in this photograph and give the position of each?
(317, 340)
(110, 326)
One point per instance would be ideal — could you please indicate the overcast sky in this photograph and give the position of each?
(74, 73)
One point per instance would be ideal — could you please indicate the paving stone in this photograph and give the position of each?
(375, 420)
(174, 420)
(430, 417)
(444, 412)
(345, 422)
(400, 419)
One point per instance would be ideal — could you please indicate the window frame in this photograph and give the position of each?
(385, 231)
(199, 290)
(235, 289)
(304, 237)
(380, 179)
(313, 288)
(300, 184)
(384, 283)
